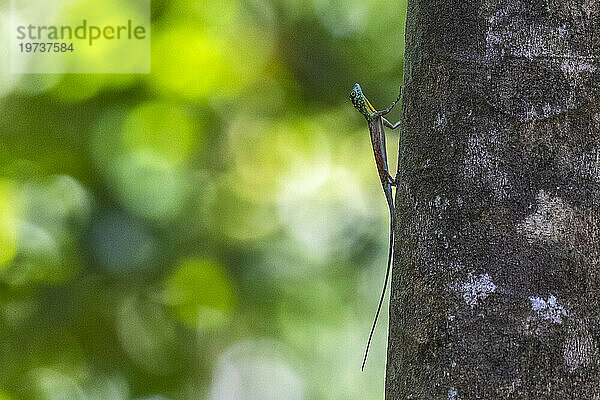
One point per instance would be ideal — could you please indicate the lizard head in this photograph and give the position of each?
(360, 102)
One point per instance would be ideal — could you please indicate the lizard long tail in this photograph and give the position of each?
(387, 275)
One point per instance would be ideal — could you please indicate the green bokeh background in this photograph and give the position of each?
(212, 230)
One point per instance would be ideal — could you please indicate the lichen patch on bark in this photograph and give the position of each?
(453, 394)
(550, 221)
(548, 309)
(476, 288)
(483, 163)
(580, 350)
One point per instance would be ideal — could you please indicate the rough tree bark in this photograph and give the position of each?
(496, 280)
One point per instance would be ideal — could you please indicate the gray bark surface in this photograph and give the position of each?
(496, 277)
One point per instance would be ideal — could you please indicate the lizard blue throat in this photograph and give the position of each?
(356, 91)
(359, 101)
(376, 122)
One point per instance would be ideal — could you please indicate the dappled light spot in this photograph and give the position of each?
(255, 162)
(113, 387)
(147, 335)
(8, 223)
(256, 370)
(53, 211)
(57, 203)
(262, 153)
(7, 80)
(215, 51)
(326, 333)
(22, 14)
(150, 186)
(200, 294)
(62, 384)
(342, 17)
(247, 29)
(40, 258)
(163, 128)
(50, 384)
(71, 203)
(33, 84)
(192, 63)
(320, 204)
(143, 163)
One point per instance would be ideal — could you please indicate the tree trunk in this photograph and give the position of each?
(496, 284)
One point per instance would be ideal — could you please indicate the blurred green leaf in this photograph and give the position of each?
(200, 294)
(8, 223)
(161, 128)
(147, 335)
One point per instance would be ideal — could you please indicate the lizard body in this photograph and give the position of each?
(376, 123)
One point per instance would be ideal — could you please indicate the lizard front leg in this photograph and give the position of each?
(387, 110)
(389, 124)
(392, 181)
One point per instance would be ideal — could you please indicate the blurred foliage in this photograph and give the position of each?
(212, 230)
